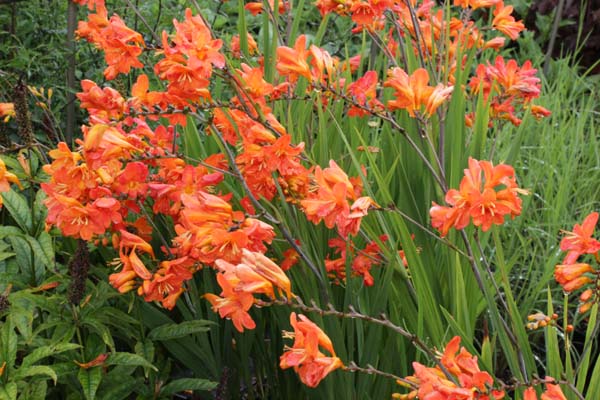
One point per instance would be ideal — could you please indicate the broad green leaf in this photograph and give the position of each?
(47, 246)
(102, 330)
(46, 256)
(8, 230)
(5, 255)
(39, 212)
(180, 385)
(129, 359)
(174, 331)
(35, 370)
(25, 260)
(18, 208)
(90, 380)
(8, 391)
(119, 389)
(47, 351)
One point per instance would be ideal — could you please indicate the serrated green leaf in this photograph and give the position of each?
(35, 370)
(129, 359)
(174, 331)
(180, 385)
(47, 351)
(8, 391)
(17, 206)
(90, 380)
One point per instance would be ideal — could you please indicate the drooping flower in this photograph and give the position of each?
(571, 276)
(255, 274)
(305, 355)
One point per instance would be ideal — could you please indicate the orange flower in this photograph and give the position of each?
(505, 22)
(364, 92)
(329, 202)
(553, 392)
(7, 110)
(570, 276)
(472, 382)
(486, 199)
(413, 91)
(580, 241)
(6, 178)
(475, 4)
(234, 304)
(292, 62)
(235, 45)
(267, 269)
(305, 356)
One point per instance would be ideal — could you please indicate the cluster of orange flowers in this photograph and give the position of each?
(127, 163)
(487, 193)
(121, 45)
(573, 275)
(510, 86)
(465, 381)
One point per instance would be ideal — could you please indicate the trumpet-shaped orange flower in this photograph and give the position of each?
(552, 392)
(571, 276)
(292, 62)
(234, 304)
(486, 199)
(505, 22)
(305, 355)
(413, 92)
(580, 241)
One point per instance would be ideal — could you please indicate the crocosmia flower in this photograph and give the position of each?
(305, 355)
(487, 193)
(580, 241)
